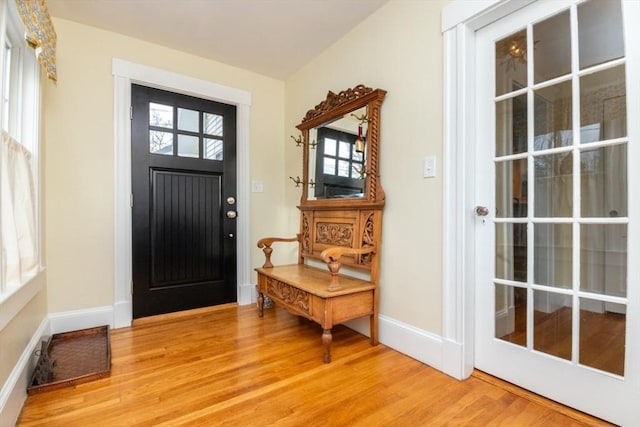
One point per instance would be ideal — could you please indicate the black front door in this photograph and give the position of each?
(183, 157)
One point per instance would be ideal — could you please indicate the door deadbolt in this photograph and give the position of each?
(231, 200)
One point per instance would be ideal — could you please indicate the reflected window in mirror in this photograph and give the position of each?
(341, 164)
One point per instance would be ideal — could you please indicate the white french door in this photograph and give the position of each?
(556, 228)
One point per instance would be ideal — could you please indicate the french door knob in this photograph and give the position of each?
(482, 211)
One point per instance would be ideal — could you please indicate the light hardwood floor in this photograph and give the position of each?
(225, 366)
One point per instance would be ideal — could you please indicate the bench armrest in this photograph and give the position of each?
(265, 245)
(331, 256)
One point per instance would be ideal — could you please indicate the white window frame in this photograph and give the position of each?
(24, 126)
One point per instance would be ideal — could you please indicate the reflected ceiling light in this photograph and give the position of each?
(514, 50)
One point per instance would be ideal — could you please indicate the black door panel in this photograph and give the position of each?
(184, 248)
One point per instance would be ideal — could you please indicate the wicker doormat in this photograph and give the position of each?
(72, 358)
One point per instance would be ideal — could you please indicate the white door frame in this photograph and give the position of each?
(125, 73)
(460, 20)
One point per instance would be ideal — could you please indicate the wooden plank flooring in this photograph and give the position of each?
(225, 366)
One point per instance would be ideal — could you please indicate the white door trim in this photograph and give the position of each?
(460, 20)
(125, 73)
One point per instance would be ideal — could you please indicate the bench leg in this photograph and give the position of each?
(260, 304)
(326, 341)
(373, 329)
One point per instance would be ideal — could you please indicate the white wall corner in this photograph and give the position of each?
(14, 391)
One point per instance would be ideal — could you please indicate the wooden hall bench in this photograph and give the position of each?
(343, 229)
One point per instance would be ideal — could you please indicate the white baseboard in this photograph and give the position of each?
(453, 360)
(414, 342)
(122, 314)
(247, 294)
(14, 391)
(426, 347)
(81, 319)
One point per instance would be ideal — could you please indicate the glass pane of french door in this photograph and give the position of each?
(536, 181)
(555, 158)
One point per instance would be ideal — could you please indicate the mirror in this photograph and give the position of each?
(337, 157)
(340, 141)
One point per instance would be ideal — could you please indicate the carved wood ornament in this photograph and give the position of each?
(335, 234)
(288, 294)
(334, 101)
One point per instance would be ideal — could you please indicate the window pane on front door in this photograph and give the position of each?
(188, 120)
(160, 115)
(160, 142)
(213, 149)
(188, 146)
(213, 124)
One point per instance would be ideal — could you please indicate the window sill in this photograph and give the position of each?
(14, 301)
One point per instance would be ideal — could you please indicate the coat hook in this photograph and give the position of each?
(297, 140)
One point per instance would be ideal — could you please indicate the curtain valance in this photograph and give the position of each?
(40, 33)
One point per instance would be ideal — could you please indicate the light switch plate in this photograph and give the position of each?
(429, 167)
(257, 186)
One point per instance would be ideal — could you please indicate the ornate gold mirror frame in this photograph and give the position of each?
(334, 107)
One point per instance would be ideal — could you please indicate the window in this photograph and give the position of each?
(187, 131)
(19, 193)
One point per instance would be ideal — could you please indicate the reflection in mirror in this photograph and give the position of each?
(336, 161)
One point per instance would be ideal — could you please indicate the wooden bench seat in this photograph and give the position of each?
(337, 231)
(302, 290)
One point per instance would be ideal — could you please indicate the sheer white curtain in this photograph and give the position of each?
(19, 248)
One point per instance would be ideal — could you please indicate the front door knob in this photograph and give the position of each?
(482, 211)
(232, 214)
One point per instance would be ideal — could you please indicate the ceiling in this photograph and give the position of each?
(270, 37)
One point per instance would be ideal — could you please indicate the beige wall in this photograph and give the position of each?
(399, 49)
(80, 155)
